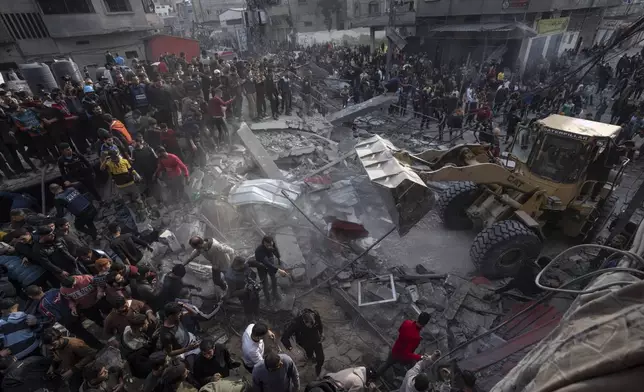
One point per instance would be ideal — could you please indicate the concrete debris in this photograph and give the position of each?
(350, 113)
(259, 153)
(433, 296)
(290, 252)
(190, 229)
(455, 301)
(170, 240)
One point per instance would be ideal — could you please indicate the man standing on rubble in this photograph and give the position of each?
(267, 261)
(408, 340)
(309, 333)
(214, 251)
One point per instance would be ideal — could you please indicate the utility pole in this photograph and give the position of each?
(390, 44)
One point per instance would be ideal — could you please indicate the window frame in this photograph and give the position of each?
(126, 2)
(88, 3)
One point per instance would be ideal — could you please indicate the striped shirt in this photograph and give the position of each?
(17, 335)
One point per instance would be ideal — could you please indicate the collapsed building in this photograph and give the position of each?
(300, 180)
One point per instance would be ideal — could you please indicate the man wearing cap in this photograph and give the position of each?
(18, 331)
(78, 205)
(75, 168)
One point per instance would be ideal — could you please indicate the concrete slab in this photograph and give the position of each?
(290, 252)
(350, 113)
(455, 301)
(284, 122)
(259, 154)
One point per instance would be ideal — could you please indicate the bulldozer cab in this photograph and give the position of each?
(560, 150)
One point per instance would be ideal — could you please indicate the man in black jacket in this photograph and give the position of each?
(55, 249)
(124, 245)
(145, 161)
(75, 168)
(309, 333)
(267, 261)
(213, 359)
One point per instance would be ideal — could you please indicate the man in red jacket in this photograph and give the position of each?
(173, 168)
(408, 340)
(216, 108)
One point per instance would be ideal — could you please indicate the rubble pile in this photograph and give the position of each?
(402, 132)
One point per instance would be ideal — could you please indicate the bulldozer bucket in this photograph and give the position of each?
(407, 197)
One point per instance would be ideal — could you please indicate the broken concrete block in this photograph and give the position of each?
(168, 238)
(349, 113)
(454, 281)
(315, 267)
(290, 252)
(298, 274)
(259, 153)
(159, 250)
(353, 355)
(433, 296)
(188, 230)
(470, 321)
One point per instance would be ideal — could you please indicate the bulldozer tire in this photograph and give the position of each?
(454, 202)
(499, 250)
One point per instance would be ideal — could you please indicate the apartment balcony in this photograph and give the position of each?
(381, 19)
(75, 25)
(278, 10)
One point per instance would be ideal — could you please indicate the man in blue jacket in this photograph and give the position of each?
(51, 307)
(79, 206)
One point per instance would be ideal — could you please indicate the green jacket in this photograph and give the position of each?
(225, 385)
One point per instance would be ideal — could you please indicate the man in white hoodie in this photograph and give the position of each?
(357, 379)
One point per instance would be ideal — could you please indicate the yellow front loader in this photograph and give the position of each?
(559, 174)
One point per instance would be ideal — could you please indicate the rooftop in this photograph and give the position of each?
(580, 126)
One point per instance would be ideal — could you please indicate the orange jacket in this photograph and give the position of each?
(119, 127)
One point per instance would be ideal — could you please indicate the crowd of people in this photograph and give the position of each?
(155, 121)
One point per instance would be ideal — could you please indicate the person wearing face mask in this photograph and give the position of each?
(308, 332)
(75, 167)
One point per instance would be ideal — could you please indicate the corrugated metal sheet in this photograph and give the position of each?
(376, 155)
(264, 191)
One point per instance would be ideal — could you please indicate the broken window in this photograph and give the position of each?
(54, 7)
(374, 8)
(118, 5)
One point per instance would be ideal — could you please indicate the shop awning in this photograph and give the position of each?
(485, 27)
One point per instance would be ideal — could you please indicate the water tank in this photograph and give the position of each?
(38, 74)
(60, 68)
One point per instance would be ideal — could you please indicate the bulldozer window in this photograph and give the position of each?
(523, 143)
(558, 158)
